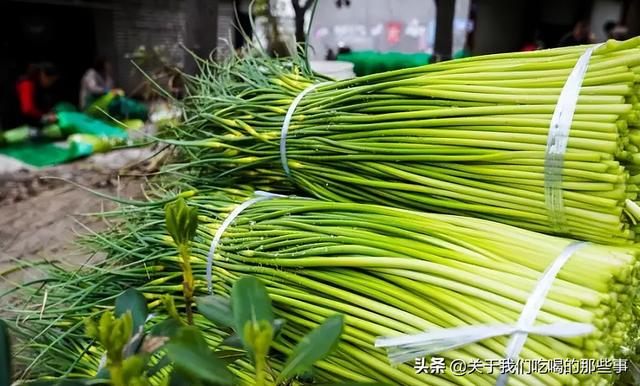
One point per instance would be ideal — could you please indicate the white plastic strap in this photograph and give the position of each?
(408, 347)
(287, 122)
(534, 305)
(405, 348)
(260, 196)
(557, 140)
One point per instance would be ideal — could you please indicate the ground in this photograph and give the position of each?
(40, 216)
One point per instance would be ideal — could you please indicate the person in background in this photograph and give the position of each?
(34, 94)
(95, 82)
(615, 30)
(330, 55)
(580, 34)
(620, 32)
(533, 43)
(608, 28)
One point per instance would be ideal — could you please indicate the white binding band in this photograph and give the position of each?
(408, 347)
(260, 196)
(534, 305)
(287, 122)
(557, 140)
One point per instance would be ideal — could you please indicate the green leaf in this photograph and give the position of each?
(180, 377)
(5, 355)
(232, 341)
(168, 327)
(171, 222)
(103, 373)
(133, 367)
(257, 338)
(132, 300)
(190, 352)
(250, 302)
(181, 221)
(313, 347)
(217, 309)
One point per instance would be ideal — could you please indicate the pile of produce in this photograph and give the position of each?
(466, 136)
(431, 184)
(389, 271)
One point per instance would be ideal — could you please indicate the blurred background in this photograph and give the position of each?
(73, 33)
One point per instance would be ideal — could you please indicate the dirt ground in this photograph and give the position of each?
(40, 216)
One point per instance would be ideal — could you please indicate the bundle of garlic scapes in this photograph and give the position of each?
(467, 136)
(390, 271)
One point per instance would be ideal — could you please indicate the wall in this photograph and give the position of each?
(381, 25)
(200, 23)
(604, 11)
(563, 12)
(105, 44)
(632, 17)
(163, 24)
(499, 26)
(460, 25)
(505, 25)
(557, 18)
(147, 23)
(226, 22)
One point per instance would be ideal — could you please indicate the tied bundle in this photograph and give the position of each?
(391, 272)
(468, 136)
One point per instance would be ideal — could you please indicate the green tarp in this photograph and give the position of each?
(86, 136)
(89, 132)
(43, 154)
(73, 123)
(371, 62)
(112, 105)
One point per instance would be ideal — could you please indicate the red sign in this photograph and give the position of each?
(394, 32)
